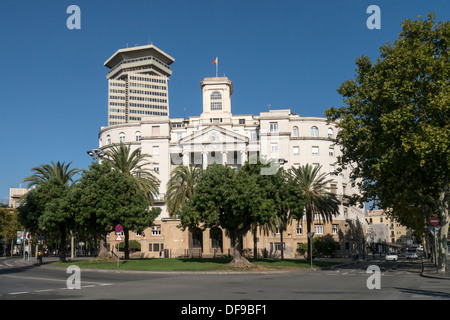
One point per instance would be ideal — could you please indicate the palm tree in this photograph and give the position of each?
(132, 165)
(180, 187)
(59, 172)
(321, 201)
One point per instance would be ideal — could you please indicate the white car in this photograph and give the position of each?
(411, 254)
(391, 256)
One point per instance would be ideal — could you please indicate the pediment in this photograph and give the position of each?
(214, 134)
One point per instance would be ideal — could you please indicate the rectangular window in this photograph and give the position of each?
(241, 121)
(331, 152)
(332, 169)
(295, 151)
(274, 127)
(156, 150)
(274, 147)
(318, 229)
(299, 228)
(156, 230)
(335, 229)
(315, 150)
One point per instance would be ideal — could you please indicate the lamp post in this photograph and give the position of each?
(96, 153)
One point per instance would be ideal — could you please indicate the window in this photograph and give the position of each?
(295, 151)
(216, 100)
(331, 152)
(156, 230)
(274, 147)
(330, 133)
(335, 229)
(318, 228)
(156, 167)
(156, 150)
(299, 228)
(178, 136)
(276, 246)
(122, 137)
(138, 136)
(295, 132)
(332, 169)
(108, 139)
(241, 121)
(274, 127)
(253, 136)
(314, 131)
(315, 151)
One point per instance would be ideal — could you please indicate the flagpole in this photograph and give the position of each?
(217, 67)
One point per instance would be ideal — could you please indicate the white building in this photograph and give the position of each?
(221, 137)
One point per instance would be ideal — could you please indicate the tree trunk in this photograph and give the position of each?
(62, 251)
(127, 245)
(442, 248)
(255, 242)
(281, 244)
(103, 249)
(239, 261)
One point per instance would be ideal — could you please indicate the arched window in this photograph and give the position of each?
(138, 136)
(330, 133)
(314, 131)
(216, 100)
(295, 132)
(108, 139)
(122, 137)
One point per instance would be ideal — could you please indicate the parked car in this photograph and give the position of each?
(391, 256)
(411, 254)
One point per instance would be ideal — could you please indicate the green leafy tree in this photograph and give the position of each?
(395, 125)
(230, 200)
(8, 226)
(314, 186)
(42, 208)
(104, 198)
(133, 164)
(180, 187)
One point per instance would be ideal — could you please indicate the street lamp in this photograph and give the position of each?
(96, 153)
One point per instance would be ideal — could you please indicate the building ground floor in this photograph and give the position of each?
(166, 239)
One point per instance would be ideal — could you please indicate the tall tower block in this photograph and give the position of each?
(138, 84)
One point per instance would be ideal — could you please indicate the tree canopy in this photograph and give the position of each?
(395, 125)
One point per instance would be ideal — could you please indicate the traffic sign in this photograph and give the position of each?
(434, 230)
(118, 238)
(119, 228)
(434, 221)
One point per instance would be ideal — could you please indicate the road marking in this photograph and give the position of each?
(22, 292)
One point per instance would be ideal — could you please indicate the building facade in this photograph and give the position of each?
(385, 230)
(138, 80)
(218, 136)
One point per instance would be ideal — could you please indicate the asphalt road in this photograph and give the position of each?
(397, 281)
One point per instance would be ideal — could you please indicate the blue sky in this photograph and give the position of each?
(289, 54)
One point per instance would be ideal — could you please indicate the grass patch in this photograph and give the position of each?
(191, 264)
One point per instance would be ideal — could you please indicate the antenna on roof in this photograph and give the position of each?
(269, 106)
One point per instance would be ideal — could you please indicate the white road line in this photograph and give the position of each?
(22, 292)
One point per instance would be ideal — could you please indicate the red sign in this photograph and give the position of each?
(119, 228)
(434, 221)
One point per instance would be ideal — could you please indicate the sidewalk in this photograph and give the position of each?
(429, 271)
